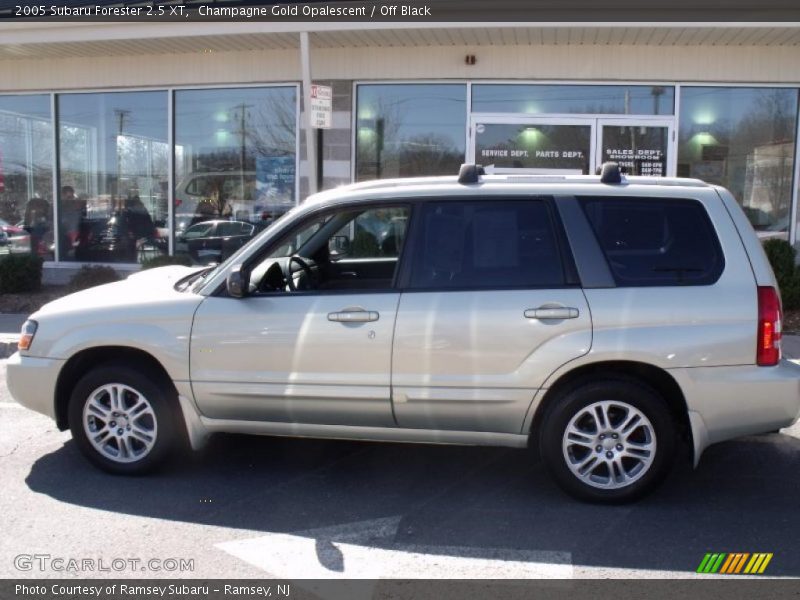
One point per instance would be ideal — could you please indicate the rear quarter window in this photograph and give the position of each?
(656, 241)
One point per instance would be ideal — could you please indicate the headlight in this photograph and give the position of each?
(26, 336)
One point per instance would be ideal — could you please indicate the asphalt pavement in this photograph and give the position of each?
(258, 507)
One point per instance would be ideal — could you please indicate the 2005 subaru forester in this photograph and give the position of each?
(602, 319)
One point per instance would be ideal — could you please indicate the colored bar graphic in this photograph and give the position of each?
(735, 563)
(729, 563)
(715, 567)
(741, 562)
(704, 563)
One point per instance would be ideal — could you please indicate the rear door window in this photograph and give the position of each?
(656, 241)
(487, 244)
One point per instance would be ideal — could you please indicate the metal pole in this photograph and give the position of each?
(311, 150)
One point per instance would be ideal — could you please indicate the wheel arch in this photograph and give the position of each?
(657, 378)
(85, 360)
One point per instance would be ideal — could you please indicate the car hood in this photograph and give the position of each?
(144, 287)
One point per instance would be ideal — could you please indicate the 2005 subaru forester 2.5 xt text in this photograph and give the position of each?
(603, 320)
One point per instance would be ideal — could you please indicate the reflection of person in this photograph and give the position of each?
(71, 213)
(37, 223)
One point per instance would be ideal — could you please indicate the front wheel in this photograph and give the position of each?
(608, 441)
(123, 419)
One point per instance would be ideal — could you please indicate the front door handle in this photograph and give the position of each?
(354, 316)
(552, 313)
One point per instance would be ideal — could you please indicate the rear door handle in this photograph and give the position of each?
(552, 313)
(353, 316)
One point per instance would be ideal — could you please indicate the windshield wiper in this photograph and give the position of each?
(183, 284)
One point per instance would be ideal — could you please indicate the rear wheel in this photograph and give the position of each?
(123, 418)
(608, 441)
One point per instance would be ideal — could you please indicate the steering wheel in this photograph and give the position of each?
(303, 265)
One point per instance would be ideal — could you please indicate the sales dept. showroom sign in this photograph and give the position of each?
(321, 106)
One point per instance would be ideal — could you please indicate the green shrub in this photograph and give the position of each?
(781, 255)
(20, 273)
(164, 260)
(90, 276)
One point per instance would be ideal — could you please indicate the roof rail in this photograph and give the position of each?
(610, 173)
(470, 173)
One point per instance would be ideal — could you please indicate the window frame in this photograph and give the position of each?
(411, 246)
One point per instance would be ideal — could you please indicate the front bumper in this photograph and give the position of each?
(32, 382)
(729, 402)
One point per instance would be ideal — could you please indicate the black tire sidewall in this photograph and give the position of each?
(569, 403)
(159, 394)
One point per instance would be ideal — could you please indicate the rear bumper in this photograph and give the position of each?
(729, 402)
(32, 382)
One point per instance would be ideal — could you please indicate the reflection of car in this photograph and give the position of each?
(603, 320)
(213, 241)
(15, 239)
(197, 198)
(779, 229)
(116, 239)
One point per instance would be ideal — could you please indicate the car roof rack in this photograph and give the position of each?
(470, 173)
(610, 173)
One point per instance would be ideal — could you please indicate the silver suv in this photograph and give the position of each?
(605, 321)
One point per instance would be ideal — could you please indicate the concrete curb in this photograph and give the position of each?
(8, 345)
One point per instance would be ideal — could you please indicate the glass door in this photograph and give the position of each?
(513, 144)
(641, 146)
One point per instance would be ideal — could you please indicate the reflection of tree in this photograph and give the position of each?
(25, 175)
(383, 150)
(262, 129)
(428, 153)
(766, 134)
(271, 131)
(756, 147)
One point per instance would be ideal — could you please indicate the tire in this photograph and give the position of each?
(145, 427)
(579, 449)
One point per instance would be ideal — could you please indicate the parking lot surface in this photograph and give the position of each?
(260, 507)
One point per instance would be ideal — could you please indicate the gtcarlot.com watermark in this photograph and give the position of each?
(48, 562)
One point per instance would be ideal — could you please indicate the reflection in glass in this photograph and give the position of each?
(638, 149)
(538, 147)
(410, 130)
(743, 139)
(574, 99)
(26, 175)
(113, 170)
(234, 161)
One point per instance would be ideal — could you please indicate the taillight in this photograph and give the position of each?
(768, 351)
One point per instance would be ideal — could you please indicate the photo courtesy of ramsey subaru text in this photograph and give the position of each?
(613, 324)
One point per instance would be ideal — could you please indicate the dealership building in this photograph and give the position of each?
(119, 141)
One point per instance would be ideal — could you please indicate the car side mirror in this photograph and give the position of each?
(339, 246)
(237, 282)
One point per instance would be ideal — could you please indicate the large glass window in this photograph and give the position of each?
(113, 173)
(26, 175)
(585, 99)
(410, 130)
(235, 156)
(743, 139)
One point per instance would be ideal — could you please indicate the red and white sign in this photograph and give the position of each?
(321, 105)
